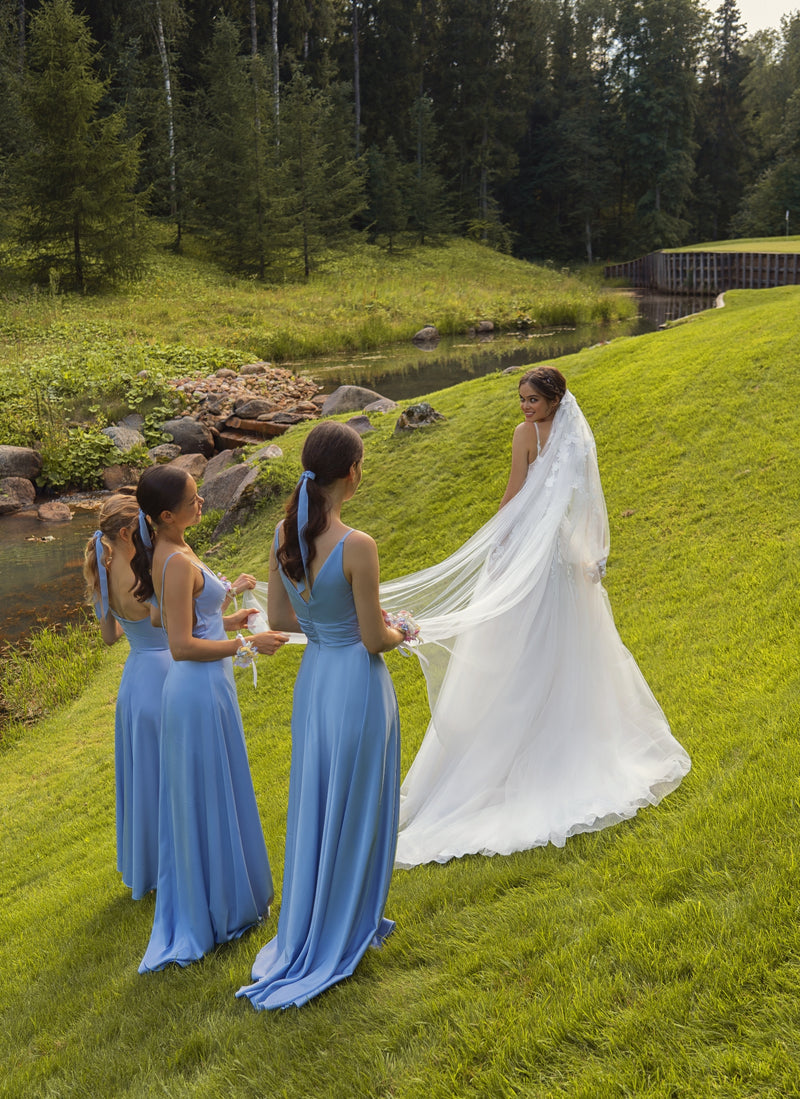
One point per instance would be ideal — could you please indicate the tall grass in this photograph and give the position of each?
(657, 958)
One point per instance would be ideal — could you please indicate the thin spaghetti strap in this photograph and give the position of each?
(538, 443)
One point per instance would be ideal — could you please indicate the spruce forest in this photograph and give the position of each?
(565, 130)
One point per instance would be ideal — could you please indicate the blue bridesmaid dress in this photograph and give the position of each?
(214, 879)
(137, 727)
(343, 803)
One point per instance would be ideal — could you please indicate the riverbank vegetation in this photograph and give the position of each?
(658, 957)
(70, 365)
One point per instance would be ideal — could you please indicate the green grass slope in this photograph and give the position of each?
(656, 958)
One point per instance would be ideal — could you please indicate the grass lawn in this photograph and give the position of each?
(658, 958)
(754, 244)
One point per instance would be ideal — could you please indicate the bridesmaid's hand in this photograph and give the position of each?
(269, 642)
(243, 582)
(238, 620)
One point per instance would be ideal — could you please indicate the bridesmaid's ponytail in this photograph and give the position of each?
(118, 511)
(160, 489)
(330, 451)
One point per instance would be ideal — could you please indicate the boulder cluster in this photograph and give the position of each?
(224, 413)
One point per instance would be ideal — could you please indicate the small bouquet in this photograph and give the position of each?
(404, 622)
(245, 656)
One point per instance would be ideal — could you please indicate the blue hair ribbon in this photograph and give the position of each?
(144, 533)
(101, 604)
(302, 519)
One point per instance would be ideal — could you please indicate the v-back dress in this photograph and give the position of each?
(214, 878)
(137, 727)
(343, 802)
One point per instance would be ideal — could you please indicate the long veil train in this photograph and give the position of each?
(542, 725)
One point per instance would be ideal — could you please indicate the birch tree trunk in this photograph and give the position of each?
(161, 42)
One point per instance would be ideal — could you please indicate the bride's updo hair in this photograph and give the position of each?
(160, 489)
(118, 512)
(546, 380)
(330, 451)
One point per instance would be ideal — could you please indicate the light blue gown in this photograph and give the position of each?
(341, 829)
(137, 727)
(214, 879)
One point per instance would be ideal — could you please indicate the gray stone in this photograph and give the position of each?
(221, 461)
(428, 334)
(222, 491)
(124, 438)
(484, 326)
(20, 461)
(385, 404)
(225, 372)
(360, 424)
(348, 398)
(164, 452)
(265, 453)
(254, 368)
(190, 435)
(16, 493)
(193, 464)
(252, 409)
(114, 477)
(416, 416)
(54, 511)
(132, 420)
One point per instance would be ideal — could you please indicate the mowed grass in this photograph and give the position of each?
(659, 958)
(749, 244)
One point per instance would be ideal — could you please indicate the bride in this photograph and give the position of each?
(542, 725)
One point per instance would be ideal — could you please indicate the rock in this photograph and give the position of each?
(193, 464)
(132, 420)
(484, 326)
(221, 461)
(20, 461)
(54, 511)
(265, 453)
(124, 438)
(360, 424)
(254, 368)
(164, 452)
(252, 409)
(16, 493)
(428, 334)
(417, 415)
(305, 408)
(348, 398)
(192, 437)
(114, 477)
(225, 372)
(385, 404)
(222, 491)
(282, 418)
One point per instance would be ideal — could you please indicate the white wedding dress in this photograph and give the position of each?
(542, 725)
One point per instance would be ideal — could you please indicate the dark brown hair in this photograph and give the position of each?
(546, 380)
(160, 489)
(330, 451)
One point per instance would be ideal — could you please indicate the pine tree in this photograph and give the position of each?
(80, 218)
(322, 185)
(388, 179)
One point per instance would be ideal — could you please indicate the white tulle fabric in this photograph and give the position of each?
(542, 725)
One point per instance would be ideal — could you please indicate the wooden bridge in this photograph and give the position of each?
(709, 272)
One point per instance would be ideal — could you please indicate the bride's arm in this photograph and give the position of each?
(520, 461)
(362, 569)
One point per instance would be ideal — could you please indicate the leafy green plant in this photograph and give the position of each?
(76, 458)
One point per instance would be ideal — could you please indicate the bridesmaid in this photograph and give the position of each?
(137, 722)
(344, 783)
(214, 877)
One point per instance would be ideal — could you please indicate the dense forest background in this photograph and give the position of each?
(555, 129)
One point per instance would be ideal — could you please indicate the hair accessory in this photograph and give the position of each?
(144, 533)
(101, 604)
(302, 518)
(245, 656)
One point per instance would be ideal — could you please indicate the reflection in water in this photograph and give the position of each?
(41, 582)
(404, 372)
